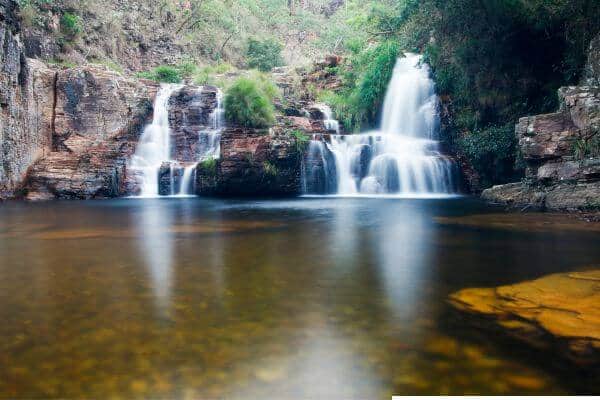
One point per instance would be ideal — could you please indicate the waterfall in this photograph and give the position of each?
(154, 146)
(403, 156)
(154, 150)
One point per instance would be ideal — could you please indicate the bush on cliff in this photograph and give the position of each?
(248, 103)
(163, 73)
(264, 55)
(365, 83)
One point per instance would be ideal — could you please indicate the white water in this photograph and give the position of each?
(154, 148)
(402, 157)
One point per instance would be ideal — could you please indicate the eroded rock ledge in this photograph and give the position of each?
(560, 175)
(558, 312)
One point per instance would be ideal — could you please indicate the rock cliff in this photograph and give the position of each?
(561, 150)
(96, 123)
(26, 103)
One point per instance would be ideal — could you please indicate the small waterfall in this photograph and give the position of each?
(330, 123)
(403, 157)
(154, 146)
(154, 153)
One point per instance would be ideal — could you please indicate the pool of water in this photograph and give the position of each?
(297, 299)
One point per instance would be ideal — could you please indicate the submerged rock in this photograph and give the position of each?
(558, 311)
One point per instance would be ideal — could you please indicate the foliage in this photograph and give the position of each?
(162, 73)
(70, 25)
(209, 165)
(264, 55)
(492, 152)
(365, 84)
(270, 169)
(587, 147)
(248, 102)
(302, 139)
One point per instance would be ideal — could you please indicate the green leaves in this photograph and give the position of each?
(248, 103)
(264, 55)
(162, 73)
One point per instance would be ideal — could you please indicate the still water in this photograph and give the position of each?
(269, 299)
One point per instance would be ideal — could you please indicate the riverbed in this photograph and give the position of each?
(246, 299)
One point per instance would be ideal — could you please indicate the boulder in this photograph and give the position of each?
(558, 311)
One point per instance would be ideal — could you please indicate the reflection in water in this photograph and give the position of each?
(155, 243)
(306, 298)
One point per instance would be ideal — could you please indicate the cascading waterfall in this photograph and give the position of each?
(403, 157)
(210, 145)
(154, 148)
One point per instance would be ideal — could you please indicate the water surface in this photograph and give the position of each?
(297, 299)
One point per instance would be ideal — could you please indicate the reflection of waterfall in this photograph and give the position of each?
(403, 157)
(154, 146)
(156, 247)
(158, 161)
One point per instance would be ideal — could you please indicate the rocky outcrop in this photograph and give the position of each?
(190, 112)
(558, 312)
(96, 124)
(26, 103)
(563, 171)
(252, 163)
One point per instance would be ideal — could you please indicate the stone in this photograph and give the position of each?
(96, 124)
(26, 97)
(253, 162)
(558, 311)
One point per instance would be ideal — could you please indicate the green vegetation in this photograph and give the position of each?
(264, 55)
(163, 73)
(492, 152)
(270, 169)
(209, 165)
(587, 147)
(302, 139)
(70, 25)
(249, 102)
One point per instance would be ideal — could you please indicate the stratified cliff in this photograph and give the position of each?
(26, 104)
(561, 150)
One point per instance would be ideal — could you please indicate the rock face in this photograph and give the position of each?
(559, 311)
(26, 97)
(190, 112)
(557, 177)
(96, 124)
(252, 162)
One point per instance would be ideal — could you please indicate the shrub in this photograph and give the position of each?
(270, 169)
(70, 25)
(248, 102)
(302, 139)
(587, 147)
(264, 55)
(209, 165)
(163, 73)
(492, 152)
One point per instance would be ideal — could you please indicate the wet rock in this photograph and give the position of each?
(559, 311)
(253, 162)
(190, 110)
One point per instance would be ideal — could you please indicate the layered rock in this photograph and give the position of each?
(97, 121)
(558, 312)
(252, 162)
(557, 175)
(26, 104)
